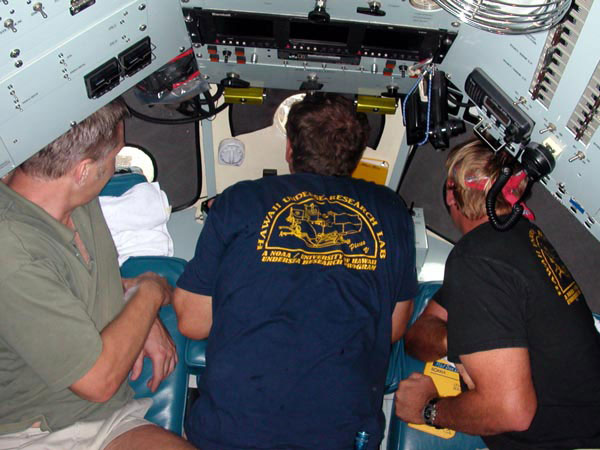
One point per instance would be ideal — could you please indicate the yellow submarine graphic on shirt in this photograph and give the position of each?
(327, 230)
(559, 275)
(319, 230)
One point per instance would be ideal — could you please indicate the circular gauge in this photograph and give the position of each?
(231, 152)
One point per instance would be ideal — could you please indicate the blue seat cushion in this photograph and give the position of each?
(169, 267)
(121, 183)
(169, 400)
(195, 356)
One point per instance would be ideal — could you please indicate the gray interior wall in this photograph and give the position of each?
(175, 149)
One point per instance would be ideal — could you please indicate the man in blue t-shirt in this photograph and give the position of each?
(301, 283)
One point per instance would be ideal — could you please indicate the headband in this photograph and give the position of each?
(508, 190)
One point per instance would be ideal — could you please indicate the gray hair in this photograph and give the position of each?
(94, 138)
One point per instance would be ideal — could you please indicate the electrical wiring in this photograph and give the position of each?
(426, 137)
(210, 101)
(428, 71)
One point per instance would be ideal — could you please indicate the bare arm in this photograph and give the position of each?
(502, 400)
(400, 317)
(426, 339)
(123, 339)
(194, 313)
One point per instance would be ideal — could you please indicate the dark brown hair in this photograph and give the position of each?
(327, 135)
(94, 137)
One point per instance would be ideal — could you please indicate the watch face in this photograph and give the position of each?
(427, 412)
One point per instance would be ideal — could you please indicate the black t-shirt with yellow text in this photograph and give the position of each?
(511, 289)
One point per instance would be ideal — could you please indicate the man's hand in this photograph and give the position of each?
(159, 347)
(412, 396)
(153, 280)
(129, 337)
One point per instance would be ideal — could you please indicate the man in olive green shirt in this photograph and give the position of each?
(67, 339)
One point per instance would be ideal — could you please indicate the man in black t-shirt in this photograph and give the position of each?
(513, 319)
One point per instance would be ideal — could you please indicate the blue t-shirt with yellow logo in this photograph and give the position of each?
(304, 272)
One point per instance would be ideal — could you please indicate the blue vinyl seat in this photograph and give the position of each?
(397, 357)
(169, 400)
(121, 183)
(195, 356)
(400, 435)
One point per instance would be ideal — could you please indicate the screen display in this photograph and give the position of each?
(306, 31)
(394, 39)
(246, 27)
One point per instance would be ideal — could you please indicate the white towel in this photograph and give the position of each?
(138, 221)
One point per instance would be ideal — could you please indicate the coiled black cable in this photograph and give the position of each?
(490, 203)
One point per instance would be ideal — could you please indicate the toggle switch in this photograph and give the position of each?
(38, 7)
(577, 156)
(10, 24)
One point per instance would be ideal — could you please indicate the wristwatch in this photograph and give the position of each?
(430, 412)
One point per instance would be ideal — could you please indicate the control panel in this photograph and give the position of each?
(61, 60)
(356, 49)
(553, 82)
(66, 58)
(551, 78)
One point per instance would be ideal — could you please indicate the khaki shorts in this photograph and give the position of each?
(95, 435)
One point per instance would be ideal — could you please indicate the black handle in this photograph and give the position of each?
(372, 11)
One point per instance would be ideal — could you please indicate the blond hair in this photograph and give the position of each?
(472, 169)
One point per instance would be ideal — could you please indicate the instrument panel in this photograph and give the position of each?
(352, 52)
(62, 60)
(67, 58)
(551, 77)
